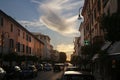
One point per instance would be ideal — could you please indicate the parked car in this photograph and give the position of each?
(2, 73)
(29, 71)
(76, 75)
(12, 72)
(58, 67)
(47, 67)
(72, 68)
(39, 67)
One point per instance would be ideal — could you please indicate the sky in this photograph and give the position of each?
(55, 18)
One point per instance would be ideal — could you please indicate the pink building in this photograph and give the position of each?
(15, 38)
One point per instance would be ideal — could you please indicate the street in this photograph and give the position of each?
(72, 37)
(47, 75)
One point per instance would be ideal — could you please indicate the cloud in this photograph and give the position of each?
(58, 15)
(32, 24)
(58, 24)
(68, 48)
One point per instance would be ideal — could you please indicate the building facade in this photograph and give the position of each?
(47, 47)
(81, 40)
(76, 47)
(92, 12)
(14, 38)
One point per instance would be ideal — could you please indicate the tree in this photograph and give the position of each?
(72, 60)
(96, 46)
(54, 57)
(111, 26)
(10, 57)
(86, 50)
(62, 57)
(76, 60)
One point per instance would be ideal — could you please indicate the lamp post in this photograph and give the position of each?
(80, 16)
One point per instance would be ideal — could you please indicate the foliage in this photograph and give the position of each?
(18, 58)
(96, 46)
(76, 59)
(10, 57)
(62, 57)
(102, 53)
(31, 58)
(111, 26)
(53, 57)
(87, 49)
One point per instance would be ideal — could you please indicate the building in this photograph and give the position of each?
(92, 12)
(54, 55)
(76, 47)
(14, 38)
(81, 40)
(47, 47)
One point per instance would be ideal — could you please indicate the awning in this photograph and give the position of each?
(115, 48)
(113, 54)
(106, 45)
(95, 57)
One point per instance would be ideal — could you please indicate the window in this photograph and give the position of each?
(26, 49)
(22, 47)
(95, 14)
(11, 28)
(18, 47)
(23, 35)
(108, 11)
(27, 37)
(29, 50)
(1, 21)
(92, 20)
(11, 43)
(18, 32)
(99, 6)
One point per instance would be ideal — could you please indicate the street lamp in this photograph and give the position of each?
(80, 16)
